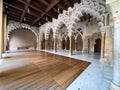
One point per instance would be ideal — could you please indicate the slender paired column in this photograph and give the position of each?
(65, 44)
(55, 44)
(70, 44)
(106, 44)
(85, 45)
(75, 44)
(1, 26)
(37, 46)
(109, 44)
(46, 44)
(88, 43)
(5, 32)
(40, 44)
(102, 44)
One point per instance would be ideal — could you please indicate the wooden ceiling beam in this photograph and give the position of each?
(13, 6)
(52, 4)
(62, 6)
(44, 2)
(33, 14)
(77, 1)
(13, 13)
(37, 9)
(13, 16)
(68, 3)
(26, 8)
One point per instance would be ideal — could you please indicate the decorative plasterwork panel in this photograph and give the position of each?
(69, 18)
(16, 25)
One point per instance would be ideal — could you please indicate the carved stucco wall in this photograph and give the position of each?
(12, 25)
(69, 18)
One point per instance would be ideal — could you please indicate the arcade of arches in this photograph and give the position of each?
(88, 28)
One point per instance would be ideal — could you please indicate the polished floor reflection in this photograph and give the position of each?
(34, 70)
(97, 76)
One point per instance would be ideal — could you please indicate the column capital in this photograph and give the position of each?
(70, 33)
(103, 29)
(88, 36)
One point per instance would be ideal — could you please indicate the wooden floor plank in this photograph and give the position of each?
(44, 71)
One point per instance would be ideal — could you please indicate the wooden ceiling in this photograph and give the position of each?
(35, 12)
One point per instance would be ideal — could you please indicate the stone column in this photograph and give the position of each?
(115, 85)
(65, 44)
(55, 44)
(75, 44)
(114, 4)
(37, 46)
(70, 44)
(106, 19)
(85, 45)
(1, 25)
(60, 44)
(88, 44)
(40, 44)
(102, 44)
(5, 32)
(109, 44)
(46, 44)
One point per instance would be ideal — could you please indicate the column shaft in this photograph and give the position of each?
(102, 44)
(65, 44)
(70, 46)
(55, 44)
(46, 44)
(5, 32)
(1, 25)
(85, 45)
(116, 69)
(75, 44)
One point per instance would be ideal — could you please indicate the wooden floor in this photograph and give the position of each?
(43, 71)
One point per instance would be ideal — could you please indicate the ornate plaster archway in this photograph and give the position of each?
(16, 25)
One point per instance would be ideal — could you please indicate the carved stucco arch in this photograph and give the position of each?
(59, 25)
(95, 9)
(41, 32)
(70, 17)
(16, 25)
(50, 28)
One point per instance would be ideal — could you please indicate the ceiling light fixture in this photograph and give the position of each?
(28, 10)
(24, 19)
(58, 10)
(39, 23)
(6, 6)
(7, 12)
(46, 18)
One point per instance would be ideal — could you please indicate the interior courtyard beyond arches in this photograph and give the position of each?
(59, 45)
